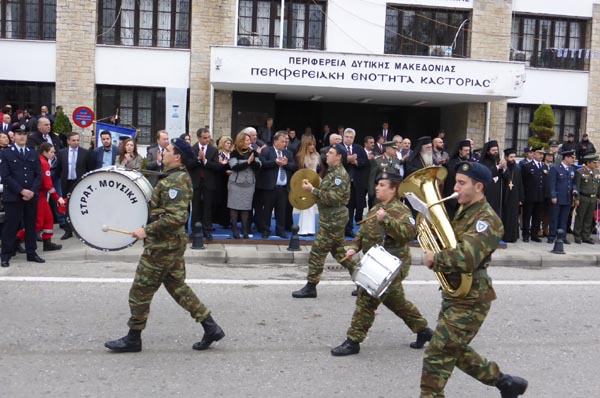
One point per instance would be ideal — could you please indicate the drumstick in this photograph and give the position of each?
(106, 228)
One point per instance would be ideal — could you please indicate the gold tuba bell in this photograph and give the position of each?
(434, 231)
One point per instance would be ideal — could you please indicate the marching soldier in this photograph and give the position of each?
(587, 181)
(392, 226)
(331, 200)
(162, 262)
(478, 230)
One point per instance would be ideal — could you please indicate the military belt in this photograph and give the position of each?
(587, 195)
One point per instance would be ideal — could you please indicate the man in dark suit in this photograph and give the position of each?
(106, 154)
(385, 132)
(561, 186)
(265, 133)
(6, 124)
(154, 155)
(534, 174)
(203, 171)
(273, 184)
(378, 148)
(356, 162)
(44, 134)
(21, 175)
(71, 164)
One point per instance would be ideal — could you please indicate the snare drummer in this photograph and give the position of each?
(393, 227)
(165, 241)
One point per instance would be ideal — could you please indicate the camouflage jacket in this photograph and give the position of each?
(394, 232)
(478, 231)
(169, 210)
(332, 196)
(379, 165)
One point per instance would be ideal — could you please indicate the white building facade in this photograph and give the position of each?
(474, 68)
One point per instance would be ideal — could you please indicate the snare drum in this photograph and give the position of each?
(112, 197)
(377, 271)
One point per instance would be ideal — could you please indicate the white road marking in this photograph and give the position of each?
(276, 282)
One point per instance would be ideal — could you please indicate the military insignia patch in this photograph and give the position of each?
(481, 226)
(465, 167)
(412, 220)
(47, 173)
(173, 193)
(337, 181)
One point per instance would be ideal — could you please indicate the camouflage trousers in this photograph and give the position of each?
(584, 220)
(366, 305)
(458, 324)
(330, 239)
(158, 267)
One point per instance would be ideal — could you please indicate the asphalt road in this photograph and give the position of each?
(55, 318)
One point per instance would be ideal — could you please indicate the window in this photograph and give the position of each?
(27, 95)
(555, 43)
(28, 19)
(141, 107)
(518, 118)
(145, 23)
(426, 31)
(303, 26)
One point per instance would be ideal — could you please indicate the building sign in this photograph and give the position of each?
(83, 116)
(176, 111)
(272, 69)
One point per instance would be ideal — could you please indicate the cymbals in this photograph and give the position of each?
(298, 197)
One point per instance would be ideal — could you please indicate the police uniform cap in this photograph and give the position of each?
(20, 131)
(392, 144)
(553, 143)
(510, 151)
(476, 171)
(568, 153)
(388, 176)
(184, 148)
(527, 149)
(591, 157)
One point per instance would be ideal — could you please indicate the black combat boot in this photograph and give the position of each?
(511, 386)
(130, 343)
(212, 333)
(422, 337)
(49, 246)
(308, 291)
(348, 347)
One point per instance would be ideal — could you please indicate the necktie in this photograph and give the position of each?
(22, 151)
(349, 148)
(202, 148)
(281, 176)
(5, 128)
(48, 139)
(72, 175)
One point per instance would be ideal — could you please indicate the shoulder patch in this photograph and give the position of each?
(47, 173)
(173, 193)
(481, 226)
(337, 181)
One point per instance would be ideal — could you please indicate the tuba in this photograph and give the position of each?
(434, 231)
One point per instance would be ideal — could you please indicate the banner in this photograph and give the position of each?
(115, 132)
(176, 111)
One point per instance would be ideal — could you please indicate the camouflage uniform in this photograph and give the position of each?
(394, 232)
(331, 199)
(162, 260)
(588, 188)
(478, 231)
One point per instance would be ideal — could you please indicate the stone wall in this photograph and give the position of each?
(212, 24)
(591, 123)
(75, 55)
(490, 40)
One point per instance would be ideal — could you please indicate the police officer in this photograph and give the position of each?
(588, 186)
(162, 261)
(478, 230)
(561, 186)
(21, 175)
(331, 198)
(391, 225)
(534, 175)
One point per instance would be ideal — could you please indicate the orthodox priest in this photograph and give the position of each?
(421, 157)
(490, 158)
(513, 196)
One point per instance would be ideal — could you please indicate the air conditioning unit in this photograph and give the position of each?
(440, 51)
(245, 41)
(516, 55)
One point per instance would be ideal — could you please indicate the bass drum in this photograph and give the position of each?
(109, 197)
